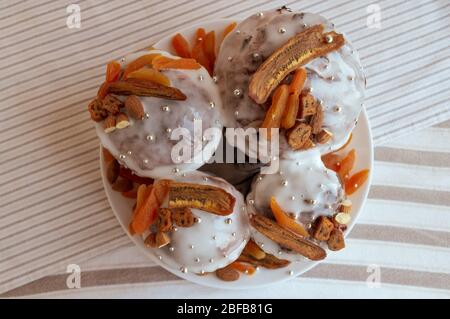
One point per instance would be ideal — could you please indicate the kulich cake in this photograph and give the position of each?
(206, 238)
(142, 141)
(303, 192)
(258, 62)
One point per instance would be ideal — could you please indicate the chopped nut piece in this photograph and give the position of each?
(324, 136)
(150, 241)
(134, 107)
(336, 241)
(205, 197)
(96, 110)
(342, 218)
(182, 217)
(122, 121)
(322, 229)
(164, 220)
(286, 238)
(308, 106)
(112, 104)
(345, 206)
(109, 125)
(299, 50)
(145, 88)
(298, 136)
(162, 239)
(317, 120)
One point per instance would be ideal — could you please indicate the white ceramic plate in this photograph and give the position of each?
(361, 142)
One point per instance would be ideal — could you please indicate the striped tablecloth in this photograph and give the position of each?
(53, 211)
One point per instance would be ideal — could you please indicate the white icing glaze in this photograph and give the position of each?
(212, 238)
(152, 158)
(261, 35)
(294, 187)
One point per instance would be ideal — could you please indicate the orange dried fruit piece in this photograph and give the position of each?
(228, 29)
(245, 268)
(291, 111)
(210, 49)
(198, 51)
(146, 214)
(347, 165)
(103, 90)
(113, 71)
(142, 194)
(128, 174)
(356, 181)
(284, 220)
(299, 50)
(150, 75)
(332, 161)
(254, 250)
(130, 194)
(298, 81)
(164, 63)
(107, 156)
(181, 46)
(276, 110)
(208, 198)
(139, 63)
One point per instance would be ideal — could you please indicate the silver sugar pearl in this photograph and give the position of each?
(145, 161)
(168, 130)
(205, 178)
(160, 257)
(237, 92)
(230, 58)
(304, 25)
(228, 221)
(238, 31)
(282, 30)
(251, 201)
(280, 252)
(150, 137)
(165, 108)
(171, 249)
(214, 237)
(350, 78)
(175, 229)
(292, 197)
(257, 268)
(260, 14)
(191, 246)
(200, 78)
(202, 272)
(122, 157)
(197, 260)
(214, 78)
(198, 220)
(329, 38)
(129, 153)
(212, 105)
(291, 272)
(337, 109)
(147, 115)
(211, 260)
(183, 270)
(285, 183)
(176, 170)
(233, 234)
(236, 113)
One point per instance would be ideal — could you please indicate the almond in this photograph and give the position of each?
(324, 136)
(134, 107)
(307, 105)
(322, 228)
(345, 206)
(227, 274)
(162, 239)
(342, 218)
(109, 125)
(164, 220)
(122, 121)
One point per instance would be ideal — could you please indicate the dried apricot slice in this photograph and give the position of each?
(347, 165)
(284, 220)
(113, 71)
(107, 157)
(139, 63)
(290, 112)
(198, 51)
(162, 63)
(253, 250)
(298, 81)
(150, 75)
(210, 49)
(228, 29)
(276, 110)
(332, 161)
(181, 46)
(103, 90)
(245, 268)
(356, 181)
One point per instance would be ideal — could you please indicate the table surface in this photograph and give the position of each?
(53, 210)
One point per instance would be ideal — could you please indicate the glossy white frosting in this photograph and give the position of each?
(152, 158)
(336, 79)
(304, 188)
(215, 241)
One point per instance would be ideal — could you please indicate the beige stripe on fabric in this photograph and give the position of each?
(50, 186)
(157, 274)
